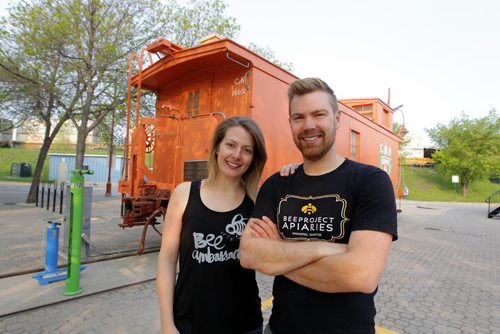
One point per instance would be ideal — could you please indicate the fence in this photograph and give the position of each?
(60, 166)
(50, 191)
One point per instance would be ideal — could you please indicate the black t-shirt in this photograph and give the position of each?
(213, 293)
(327, 207)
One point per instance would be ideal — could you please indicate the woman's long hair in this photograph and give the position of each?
(250, 179)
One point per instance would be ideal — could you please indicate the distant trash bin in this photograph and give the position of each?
(25, 170)
(15, 169)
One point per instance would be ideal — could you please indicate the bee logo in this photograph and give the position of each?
(308, 209)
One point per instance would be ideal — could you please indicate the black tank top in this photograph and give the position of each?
(213, 293)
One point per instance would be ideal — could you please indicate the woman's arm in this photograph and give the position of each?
(169, 252)
(262, 249)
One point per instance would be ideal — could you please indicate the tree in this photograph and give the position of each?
(468, 148)
(69, 59)
(99, 35)
(31, 78)
(94, 38)
(200, 18)
(267, 53)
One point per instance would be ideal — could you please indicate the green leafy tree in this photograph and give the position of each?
(94, 39)
(198, 19)
(268, 53)
(31, 77)
(468, 148)
(68, 59)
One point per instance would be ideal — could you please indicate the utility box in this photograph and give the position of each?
(25, 169)
(15, 170)
(86, 219)
(22, 169)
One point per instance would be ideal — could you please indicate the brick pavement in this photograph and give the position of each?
(443, 272)
(23, 226)
(441, 277)
(132, 309)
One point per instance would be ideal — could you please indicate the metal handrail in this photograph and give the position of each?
(489, 198)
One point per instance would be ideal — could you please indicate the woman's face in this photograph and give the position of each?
(235, 152)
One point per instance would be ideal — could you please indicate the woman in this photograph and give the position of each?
(203, 225)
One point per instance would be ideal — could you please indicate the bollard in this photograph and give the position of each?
(61, 197)
(75, 232)
(43, 194)
(54, 200)
(48, 196)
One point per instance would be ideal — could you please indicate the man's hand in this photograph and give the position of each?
(289, 169)
(263, 249)
(358, 269)
(263, 228)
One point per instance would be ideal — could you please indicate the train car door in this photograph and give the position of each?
(196, 98)
(197, 130)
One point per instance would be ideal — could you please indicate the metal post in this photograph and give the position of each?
(108, 184)
(61, 197)
(43, 194)
(54, 200)
(48, 196)
(75, 232)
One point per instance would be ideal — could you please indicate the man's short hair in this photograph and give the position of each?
(309, 85)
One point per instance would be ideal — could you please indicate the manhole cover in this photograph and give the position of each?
(433, 228)
(426, 207)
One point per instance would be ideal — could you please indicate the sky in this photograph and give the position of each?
(439, 57)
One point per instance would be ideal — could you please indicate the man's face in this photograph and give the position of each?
(313, 124)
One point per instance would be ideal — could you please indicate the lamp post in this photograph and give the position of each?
(108, 184)
(402, 130)
(401, 179)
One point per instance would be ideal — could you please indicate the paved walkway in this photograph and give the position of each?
(23, 228)
(442, 275)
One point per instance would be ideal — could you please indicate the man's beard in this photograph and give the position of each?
(317, 152)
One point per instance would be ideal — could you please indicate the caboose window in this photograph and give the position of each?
(193, 106)
(366, 107)
(354, 146)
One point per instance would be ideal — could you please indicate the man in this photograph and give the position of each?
(347, 208)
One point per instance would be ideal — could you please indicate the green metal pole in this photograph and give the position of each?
(75, 232)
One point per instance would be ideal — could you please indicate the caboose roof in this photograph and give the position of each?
(177, 62)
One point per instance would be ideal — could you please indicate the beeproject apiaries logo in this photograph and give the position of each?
(313, 217)
(309, 209)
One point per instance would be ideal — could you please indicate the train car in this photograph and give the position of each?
(195, 89)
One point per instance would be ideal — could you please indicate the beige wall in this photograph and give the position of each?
(32, 132)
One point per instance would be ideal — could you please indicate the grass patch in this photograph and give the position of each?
(8, 156)
(425, 184)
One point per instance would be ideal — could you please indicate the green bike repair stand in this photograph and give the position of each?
(75, 232)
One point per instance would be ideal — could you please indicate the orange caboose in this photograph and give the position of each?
(195, 89)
